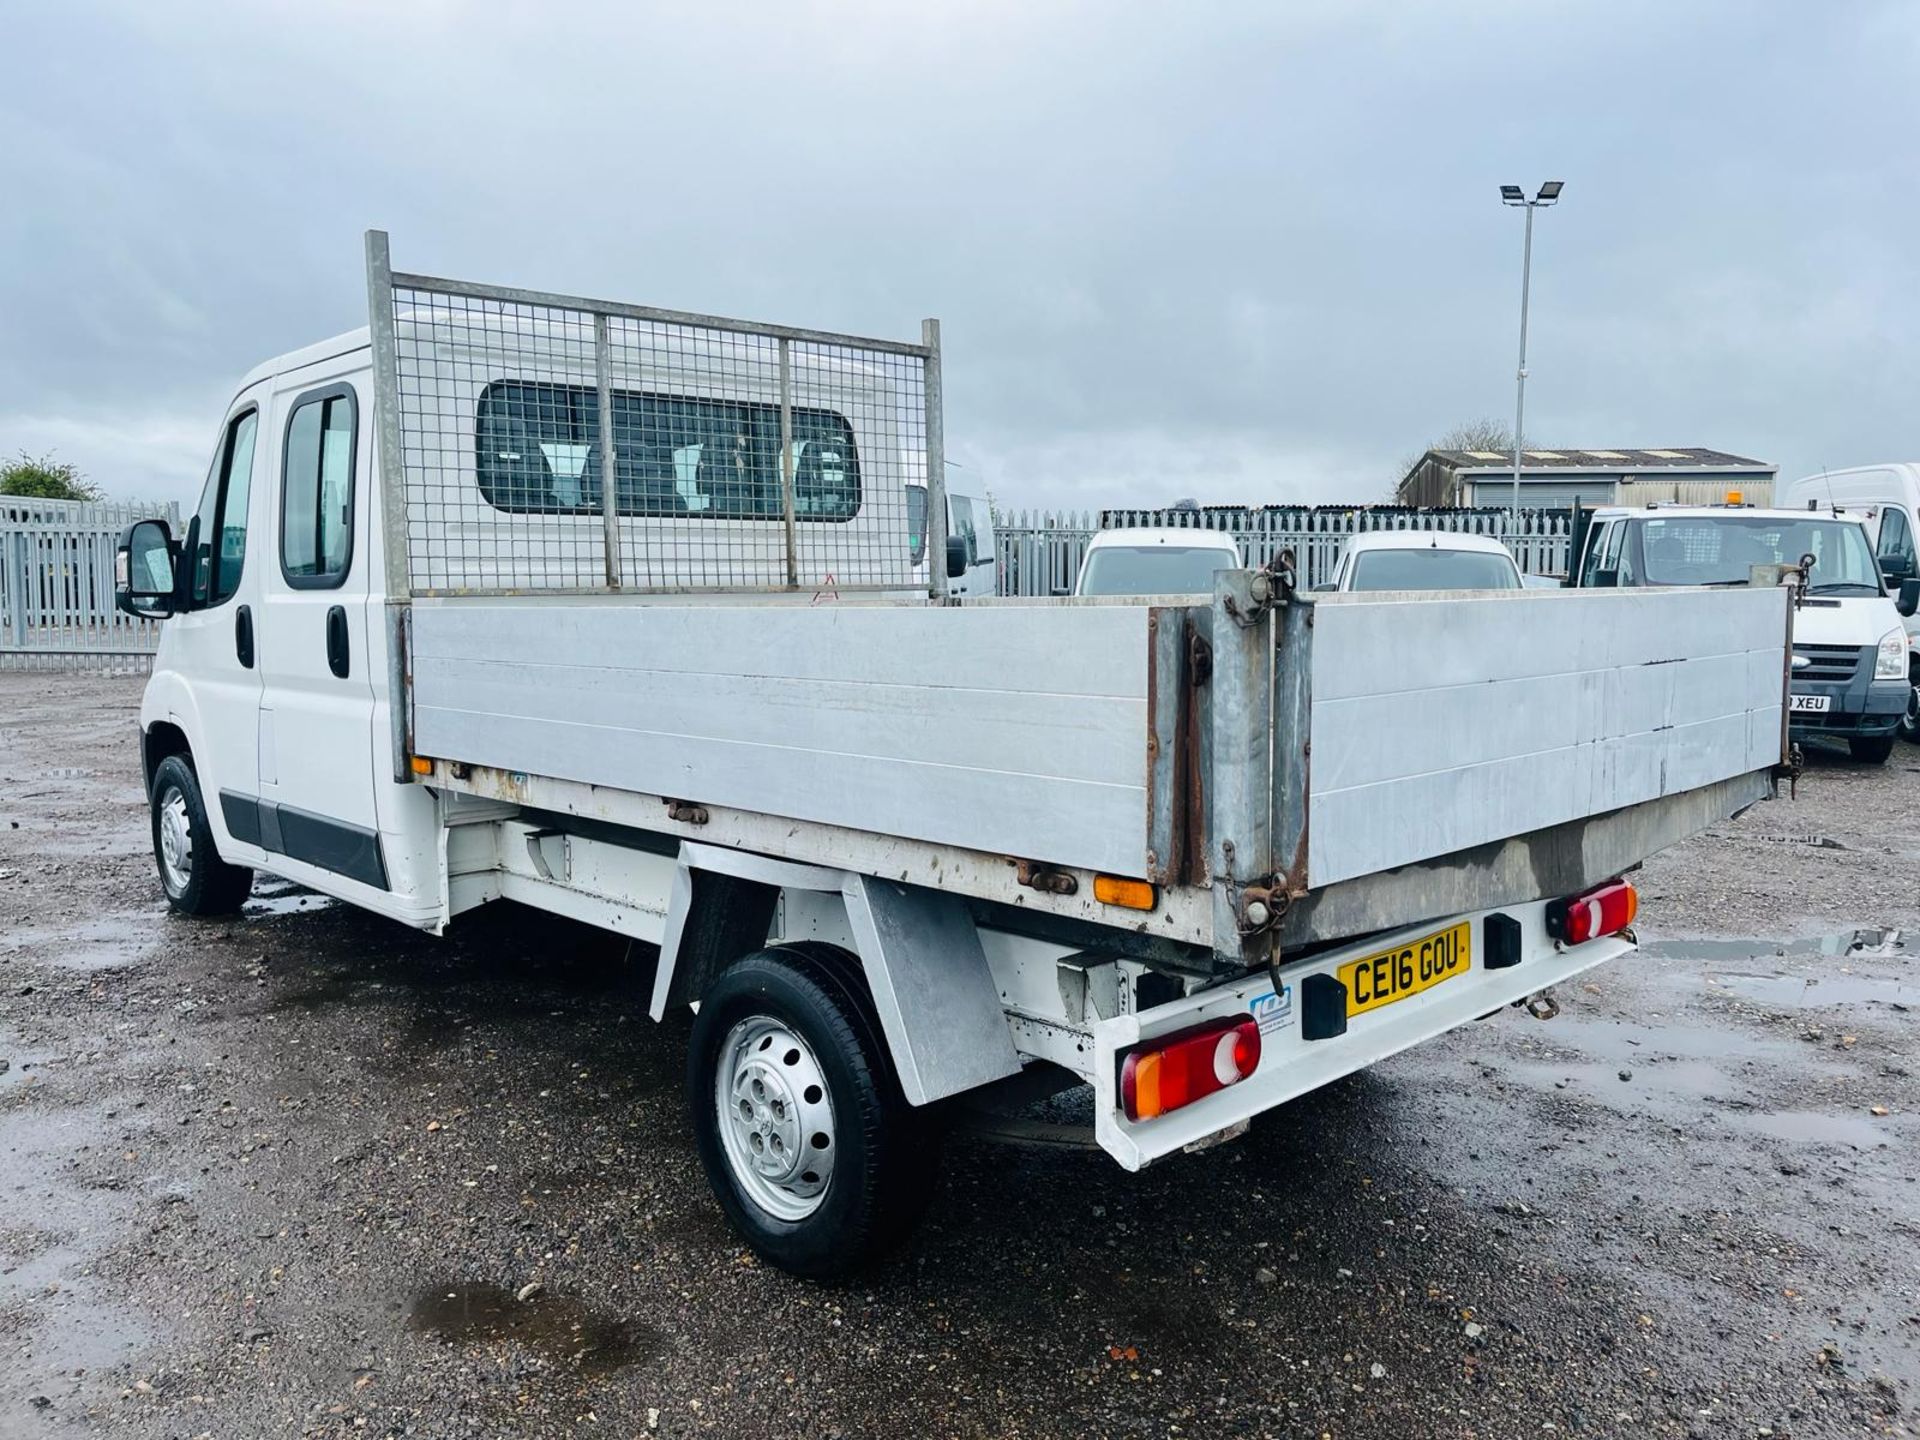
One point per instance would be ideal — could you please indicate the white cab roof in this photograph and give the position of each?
(1423, 540)
(1722, 512)
(308, 355)
(1147, 536)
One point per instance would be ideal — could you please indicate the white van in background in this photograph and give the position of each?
(1424, 560)
(1849, 681)
(973, 568)
(1155, 560)
(1887, 497)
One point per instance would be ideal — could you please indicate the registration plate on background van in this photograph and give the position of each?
(1817, 704)
(1389, 975)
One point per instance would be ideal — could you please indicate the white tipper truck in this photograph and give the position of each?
(611, 611)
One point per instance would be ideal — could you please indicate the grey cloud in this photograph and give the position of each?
(1239, 252)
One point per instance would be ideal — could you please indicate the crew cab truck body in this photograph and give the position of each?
(610, 611)
(1850, 650)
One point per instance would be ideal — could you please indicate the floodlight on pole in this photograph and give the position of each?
(1515, 195)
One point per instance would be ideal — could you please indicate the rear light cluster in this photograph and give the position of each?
(1182, 1068)
(1604, 910)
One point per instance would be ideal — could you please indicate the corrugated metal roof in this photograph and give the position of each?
(1626, 460)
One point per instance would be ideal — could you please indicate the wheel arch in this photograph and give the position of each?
(919, 950)
(158, 741)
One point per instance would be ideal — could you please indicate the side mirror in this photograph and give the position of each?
(1909, 600)
(1606, 577)
(956, 556)
(1060, 592)
(1896, 570)
(1323, 587)
(143, 570)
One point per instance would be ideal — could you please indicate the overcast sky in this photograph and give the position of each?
(1245, 253)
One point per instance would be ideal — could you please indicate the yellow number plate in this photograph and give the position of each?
(1390, 975)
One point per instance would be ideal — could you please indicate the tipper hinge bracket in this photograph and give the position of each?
(1261, 907)
(1271, 586)
(1044, 878)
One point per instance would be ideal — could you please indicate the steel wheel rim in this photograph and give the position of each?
(176, 841)
(775, 1118)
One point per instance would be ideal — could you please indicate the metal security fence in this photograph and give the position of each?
(542, 443)
(1040, 551)
(56, 586)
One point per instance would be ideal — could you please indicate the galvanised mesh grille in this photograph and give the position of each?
(548, 444)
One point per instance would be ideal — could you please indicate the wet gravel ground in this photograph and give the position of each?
(287, 1175)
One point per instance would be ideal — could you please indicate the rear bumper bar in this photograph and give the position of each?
(1290, 1064)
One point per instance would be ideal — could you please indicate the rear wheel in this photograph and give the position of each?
(817, 1159)
(1871, 749)
(196, 879)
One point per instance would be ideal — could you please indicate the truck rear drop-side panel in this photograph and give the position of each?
(1439, 725)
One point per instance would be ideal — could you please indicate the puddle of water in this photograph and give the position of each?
(1817, 992)
(1866, 941)
(556, 1327)
(106, 942)
(283, 897)
(1811, 1127)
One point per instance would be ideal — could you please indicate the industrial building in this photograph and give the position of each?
(1556, 478)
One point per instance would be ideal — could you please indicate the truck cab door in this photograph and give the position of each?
(316, 700)
(211, 647)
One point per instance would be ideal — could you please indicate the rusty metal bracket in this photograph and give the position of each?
(1261, 908)
(1542, 1005)
(1269, 587)
(1199, 659)
(1044, 878)
(686, 812)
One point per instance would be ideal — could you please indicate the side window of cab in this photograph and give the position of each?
(220, 521)
(1603, 537)
(1895, 548)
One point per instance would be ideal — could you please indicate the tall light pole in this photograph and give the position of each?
(1514, 195)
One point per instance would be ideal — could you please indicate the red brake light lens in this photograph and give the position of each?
(1604, 910)
(1179, 1069)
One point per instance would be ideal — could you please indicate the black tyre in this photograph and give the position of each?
(1871, 749)
(1910, 722)
(816, 1157)
(196, 879)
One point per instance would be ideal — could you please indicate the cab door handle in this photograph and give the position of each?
(337, 660)
(243, 635)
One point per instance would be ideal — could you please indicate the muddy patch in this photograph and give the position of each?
(557, 1328)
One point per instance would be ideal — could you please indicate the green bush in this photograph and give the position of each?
(45, 478)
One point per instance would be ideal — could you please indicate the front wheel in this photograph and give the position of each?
(1871, 749)
(196, 879)
(1910, 722)
(814, 1154)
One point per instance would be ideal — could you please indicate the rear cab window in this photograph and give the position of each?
(537, 451)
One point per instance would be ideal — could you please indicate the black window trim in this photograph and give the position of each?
(334, 390)
(223, 457)
(594, 512)
(1888, 512)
